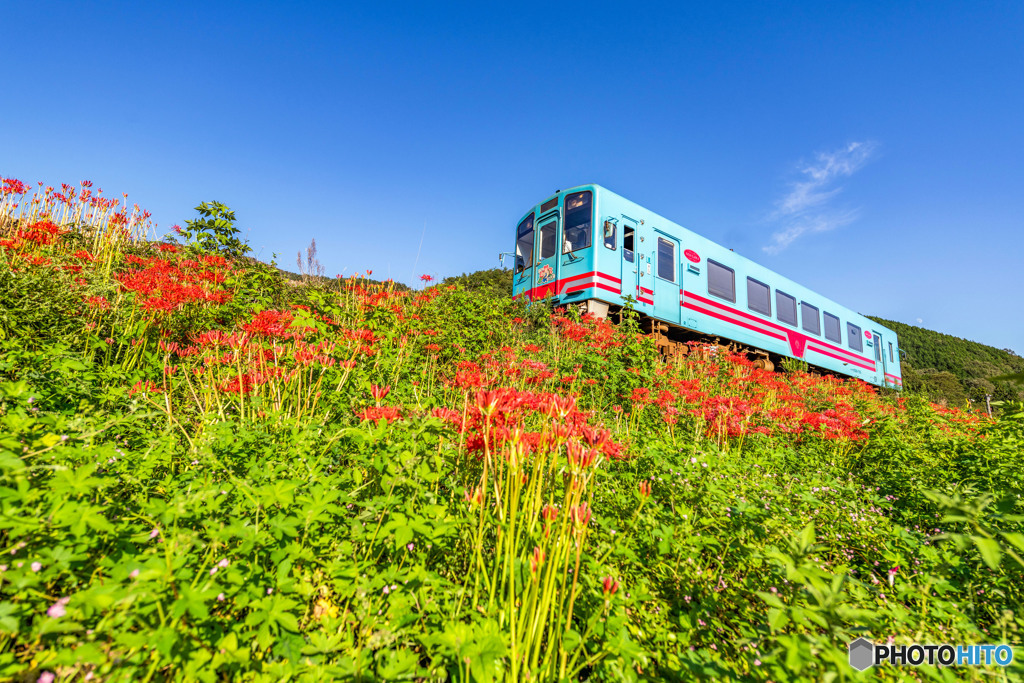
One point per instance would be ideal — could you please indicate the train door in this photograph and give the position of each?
(644, 270)
(545, 272)
(667, 280)
(630, 268)
(525, 252)
(881, 367)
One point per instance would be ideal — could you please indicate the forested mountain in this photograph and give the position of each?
(953, 369)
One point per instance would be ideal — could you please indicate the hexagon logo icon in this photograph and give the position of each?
(862, 654)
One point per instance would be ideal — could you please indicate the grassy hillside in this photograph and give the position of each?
(209, 474)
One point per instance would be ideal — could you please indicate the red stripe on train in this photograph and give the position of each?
(713, 314)
(823, 352)
(847, 355)
(557, 286)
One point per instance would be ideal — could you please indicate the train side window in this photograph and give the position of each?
(627, 243)
(891, 358)
(666, 260)
(524, 244)
(785, 308)
(609, 235)
(578, 209)
(833, 330)
(547, 240)
(853, 339)
(809, 314)
(759, 296)
(721, 281)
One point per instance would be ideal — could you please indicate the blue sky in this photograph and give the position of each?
(871, 151)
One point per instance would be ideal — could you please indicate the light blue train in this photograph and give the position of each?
(592, 247)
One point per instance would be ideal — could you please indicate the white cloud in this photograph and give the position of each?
(919, 320)
(805, 208)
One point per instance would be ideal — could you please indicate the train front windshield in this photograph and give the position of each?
(577, 222)
(524, 245)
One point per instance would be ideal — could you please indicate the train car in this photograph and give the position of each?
(590, 247)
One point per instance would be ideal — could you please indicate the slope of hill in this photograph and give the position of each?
(209, 474)
(951, 369)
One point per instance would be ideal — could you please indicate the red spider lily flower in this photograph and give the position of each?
(379, 392)
(84, 255)
(641, 395)
(594, 436)
(376, 413)
(610, 586)
(146, 387)
(645, 489)
(536, 559)
(98, 302)
(561, 406)
(549, 513)
(271, 324)
(452, 417)
(580, 515)
(562, 432)
(579, 456)
(240, 384)
(42, 232)
(168, 347)
(12, 186)
(496, 400)
(426, 278)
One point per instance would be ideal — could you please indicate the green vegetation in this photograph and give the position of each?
(492, 283)
(214, 231)
(207, 473)
(952, 370)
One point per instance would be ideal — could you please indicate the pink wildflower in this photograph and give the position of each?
(57, 609)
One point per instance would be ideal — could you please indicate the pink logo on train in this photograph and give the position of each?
(692, 256)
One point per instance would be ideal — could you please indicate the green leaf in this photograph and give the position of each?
(403, 535)
(771, 600)
(807, 537)
(8, 621)
(989, 549)
(1015, 539)
(777, 619)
